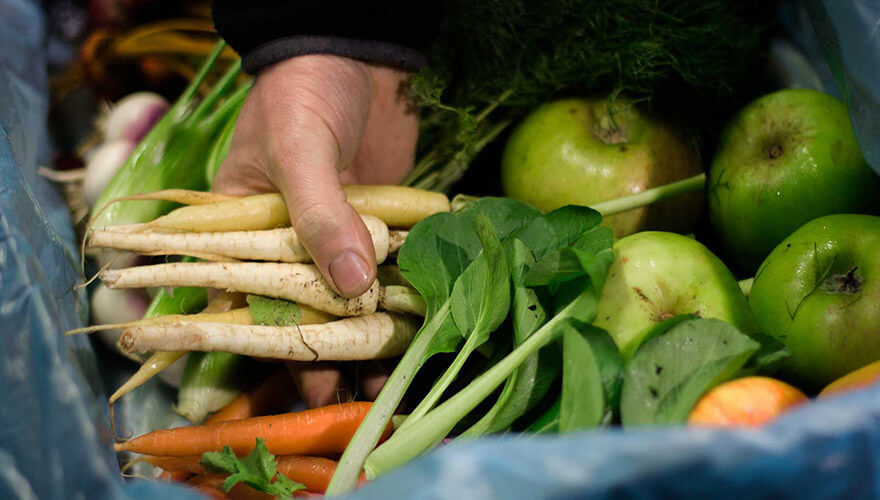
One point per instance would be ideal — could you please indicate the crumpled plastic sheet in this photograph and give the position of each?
(54, 427)
(841, 39)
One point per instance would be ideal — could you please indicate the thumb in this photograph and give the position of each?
(330, 229)
(306, 171)
(301, 125)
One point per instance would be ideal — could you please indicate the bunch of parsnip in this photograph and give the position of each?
(246, 246)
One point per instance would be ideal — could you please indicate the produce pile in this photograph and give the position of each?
(589, 295)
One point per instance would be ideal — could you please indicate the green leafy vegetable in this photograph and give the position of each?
(256, 470)
(479, 302)
(436, 252)
(527, 315)
(591, 378)
(530, 382)
(578, 300)
(768, 358)
(273, 312)
(548, 422)
(669, 373)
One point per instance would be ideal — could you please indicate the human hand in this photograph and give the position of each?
(309, 125)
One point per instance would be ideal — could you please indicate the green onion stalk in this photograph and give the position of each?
(211, 380)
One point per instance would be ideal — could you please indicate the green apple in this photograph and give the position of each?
(785, 159)
(584, 151)
(818, 293)
(658, 275)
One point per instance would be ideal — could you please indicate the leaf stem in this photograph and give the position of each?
(196, 82)
(409, 442)
(367, 436)
(649, 196)
(230, 106)
(217, 92)
(439, 387)
(494, 104)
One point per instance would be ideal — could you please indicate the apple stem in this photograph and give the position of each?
(649, 196)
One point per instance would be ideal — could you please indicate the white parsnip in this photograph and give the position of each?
(401, 299)
(397, 206)
(240, 316)
(182, 196)
(395, 241)
(374, 336)
(301, 283)
(250, 213)
(276, 245)
(390, 275)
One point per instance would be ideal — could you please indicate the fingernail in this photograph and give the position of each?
(350, 273)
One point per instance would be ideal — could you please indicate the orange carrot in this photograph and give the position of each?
(178, 476)
(242, 491)
(189, 464)
(265, 399)
(319, 431)
(313, 472)
(210, 485)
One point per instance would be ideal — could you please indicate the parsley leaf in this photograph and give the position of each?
(256, 470)
(273, 312)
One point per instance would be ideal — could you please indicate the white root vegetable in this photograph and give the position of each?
(397, 206)
(240, 316)
(274, 245)
(132, 117)
(251, 213)
(300, 283)
(390, 275)
(375, 336)
(115, 307)
(395, 241)
(401, 299)
(102, 165)
(182, 196)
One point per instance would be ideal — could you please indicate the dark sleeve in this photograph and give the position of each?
(392, 32)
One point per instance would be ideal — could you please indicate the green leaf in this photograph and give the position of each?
(577, 299)
(435, 253)
(556, 267)
(257, 470)
(218, 462)
(768, 358)
(548, 422)
(540, 237)
(527, 314)
(479, 302)
(481, 295)
(439, 248)
(269, 311)
(668, 374)
(591, 378)
(664, 326)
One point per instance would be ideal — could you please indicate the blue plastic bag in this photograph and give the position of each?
(54, 433)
